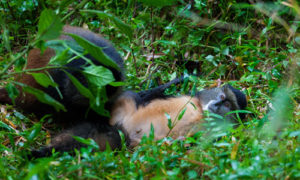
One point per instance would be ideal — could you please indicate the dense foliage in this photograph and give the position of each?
(253, 46)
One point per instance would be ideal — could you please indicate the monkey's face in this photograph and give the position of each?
(219, 101)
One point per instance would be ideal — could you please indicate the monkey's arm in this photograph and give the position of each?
(156, 93)
(128, 102)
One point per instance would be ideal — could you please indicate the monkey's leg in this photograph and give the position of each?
(4, 98)
(99, 132)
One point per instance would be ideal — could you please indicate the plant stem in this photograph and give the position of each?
(32, 70)
(14, 60)
(75, 9)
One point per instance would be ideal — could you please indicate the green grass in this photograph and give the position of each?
(239, 43)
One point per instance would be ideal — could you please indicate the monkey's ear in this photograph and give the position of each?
(240, 96)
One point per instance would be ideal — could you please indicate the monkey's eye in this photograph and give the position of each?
(227, 104)
(222, 96)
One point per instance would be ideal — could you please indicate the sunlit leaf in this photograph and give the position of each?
(98, 75)
(95, 51)
(49, 26)
(43, 80)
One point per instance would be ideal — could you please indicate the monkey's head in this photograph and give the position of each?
(223, 100)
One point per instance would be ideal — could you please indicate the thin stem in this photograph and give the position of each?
(32, 70)
(14, 60)
(176, 118)
(75, 9)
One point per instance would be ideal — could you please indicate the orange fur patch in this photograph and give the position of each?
(139, 122)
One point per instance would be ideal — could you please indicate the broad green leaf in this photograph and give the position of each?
(12, 91)
(160, 3)
(49, 26)
(43, 97)
(126, 29)
(98, 76)
(43, 80)
(95, 51)
(81, 88)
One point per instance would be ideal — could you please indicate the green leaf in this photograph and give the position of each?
(169, 120)
(160, 3)
(181, 114)
(49, 26)
(7, 127)
(97, 104)
(151, 133)
(95, 51)
(115, 84)
(43, 80)
(294, 134)
(89, 142)
(43, 97)
(61, 58)
(192, 174)
(36, 130)
(225, 51)
(64, 51)
(98, 76)
(81, 88)
(126, 29)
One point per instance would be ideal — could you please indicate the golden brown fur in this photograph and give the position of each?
(137, 123)
(134, 113)
(35, 60)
